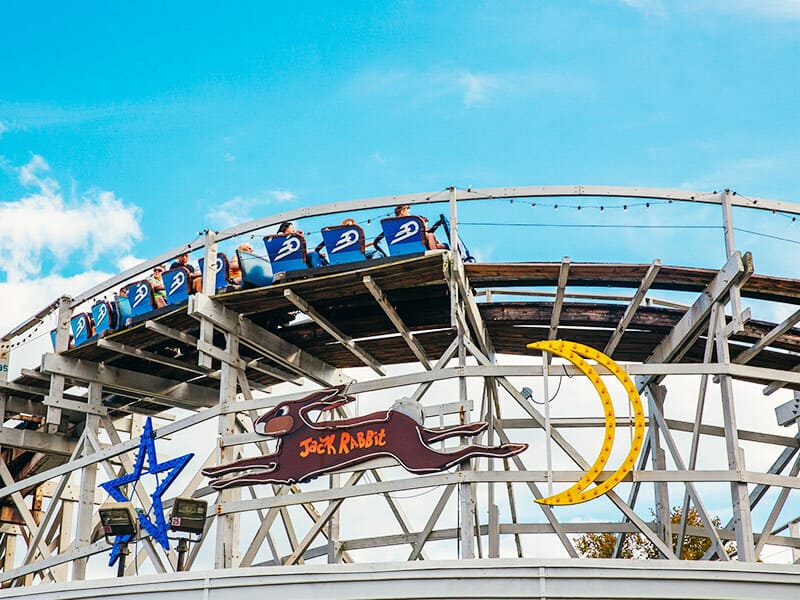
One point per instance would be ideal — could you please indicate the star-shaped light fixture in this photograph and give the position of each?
(157, 527)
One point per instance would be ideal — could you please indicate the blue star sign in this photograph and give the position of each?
(153, 521)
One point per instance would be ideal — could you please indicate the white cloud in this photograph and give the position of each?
(228, 157)
(471, 87)
(240, 210)
(774, 10)
(282, 195)
(44, 224)
(649, 8)
(379, 158)
(737, 173)
(768, 9)
(3, 128)
(22, 298)
(128, 261)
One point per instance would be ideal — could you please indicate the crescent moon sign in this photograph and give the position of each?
(575, 353)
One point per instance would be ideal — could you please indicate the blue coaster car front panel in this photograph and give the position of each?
(343, 243)
(123, 311)
(104, 315)
(177, 284)
(140, 298)
(256, 270)
(221, 269)
(286, 252)
(81, 326)
(404, 235)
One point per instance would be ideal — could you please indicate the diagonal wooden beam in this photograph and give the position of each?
(423, 535)
(555, 317)
(397, 321)
(771, 336)
(333, 506)
(150, 356)
(736, 271)
(27, 516)
(632, 307)
(341, 337)
(177, 393)
(284, 353)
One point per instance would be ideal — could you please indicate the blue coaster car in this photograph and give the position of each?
(404, 235)
(140, 298)
(343, 243)
(222, 269)
(123, 310)
(286, 252)
(82, 328)
(105, 317)
(256, 270)
(177, 285)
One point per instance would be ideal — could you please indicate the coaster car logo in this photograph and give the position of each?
(289, 247)
(307, 449)
(347, 239)
(405, 231)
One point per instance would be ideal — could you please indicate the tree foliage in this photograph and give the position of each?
(601, 545)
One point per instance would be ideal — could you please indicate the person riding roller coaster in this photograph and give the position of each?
(315, 258)
(429, 237)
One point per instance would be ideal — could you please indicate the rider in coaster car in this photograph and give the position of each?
(234, 268)
(195, 276)
(159, 293)
(428, 238)
(313, 258)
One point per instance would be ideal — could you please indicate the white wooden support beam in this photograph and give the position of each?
(267, 343)
(777, 385)
(397, 321)
(208, 290)
(179, 394)
(473, 313)
(737, 270)
(633, 305)
(344, 339)
(771, 336)
(656, 394)
(577, 458)
(36, 441)
(743, 522)
(657, 419)
(25, 513)
(63, 314)
(150, 356)
(737, 319)
(255, 364)
(88, 483)
(555, 317)
(227, 552)
(331, 509)
(169, 332)
(423, 535)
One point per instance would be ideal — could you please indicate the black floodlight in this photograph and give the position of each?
(188, 514)
(119, 518)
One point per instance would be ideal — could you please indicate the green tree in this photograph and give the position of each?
(601, 545)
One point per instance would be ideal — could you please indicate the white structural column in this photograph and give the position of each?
(657, 394)
(88, 485)
(737, 324)
(227, 552)
(740, 500)
(209, 289)
(466, 496)
(56, 394)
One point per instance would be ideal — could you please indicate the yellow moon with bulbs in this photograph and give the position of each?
(576, 353)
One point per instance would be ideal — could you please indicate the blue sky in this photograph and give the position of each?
(125, 128)
(171, 118)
